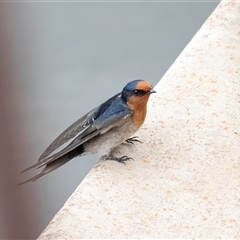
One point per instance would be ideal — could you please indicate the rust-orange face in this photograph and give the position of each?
(137, 88)
(136, 95)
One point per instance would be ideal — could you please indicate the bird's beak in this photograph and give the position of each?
(152, 91)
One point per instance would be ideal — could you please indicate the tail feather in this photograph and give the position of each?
(51, 164)
(48, 168)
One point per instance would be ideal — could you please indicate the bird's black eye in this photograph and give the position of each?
(139, 92)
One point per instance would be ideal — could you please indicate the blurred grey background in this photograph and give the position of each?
(58, 60)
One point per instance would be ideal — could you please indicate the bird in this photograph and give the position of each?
(101, 130)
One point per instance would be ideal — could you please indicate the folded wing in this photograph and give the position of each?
(99, 120)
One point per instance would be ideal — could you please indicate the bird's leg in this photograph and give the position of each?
(122, 159)
(132, 140)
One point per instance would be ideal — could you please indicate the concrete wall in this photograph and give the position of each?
(185, 179)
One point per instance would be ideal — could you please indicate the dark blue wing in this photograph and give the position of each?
(77, 127)
(97, 121)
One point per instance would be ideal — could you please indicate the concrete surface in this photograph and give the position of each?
(185, 179)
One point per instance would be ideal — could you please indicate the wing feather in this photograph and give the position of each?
(77, 127)
(96, 122)
(90, 132)
(68, 134)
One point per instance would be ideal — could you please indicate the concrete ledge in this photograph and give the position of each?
(185, 180)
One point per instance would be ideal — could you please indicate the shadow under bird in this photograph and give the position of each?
(100, 130)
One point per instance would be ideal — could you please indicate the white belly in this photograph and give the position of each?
(110, 139)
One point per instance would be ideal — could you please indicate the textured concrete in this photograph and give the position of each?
(185, 180)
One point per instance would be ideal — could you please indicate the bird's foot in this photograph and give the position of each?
(132, 140)
(122, 159)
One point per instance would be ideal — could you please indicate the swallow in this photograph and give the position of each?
(101, 130)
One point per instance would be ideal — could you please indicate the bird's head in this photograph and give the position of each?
(136, 93)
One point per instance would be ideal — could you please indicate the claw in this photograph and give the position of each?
(122, 159)
(133, 139)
